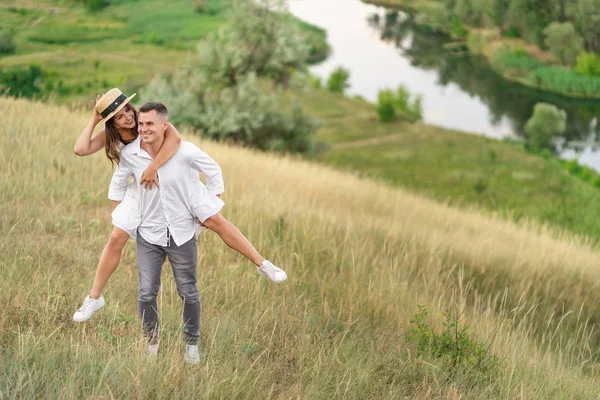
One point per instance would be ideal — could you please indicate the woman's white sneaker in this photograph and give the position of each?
(274, 273)
(89, 307)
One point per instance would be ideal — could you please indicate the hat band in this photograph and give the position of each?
(114, 105)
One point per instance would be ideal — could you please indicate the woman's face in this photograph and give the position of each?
(125, 118)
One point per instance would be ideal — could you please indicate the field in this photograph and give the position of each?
(361, 257)
(124, 45)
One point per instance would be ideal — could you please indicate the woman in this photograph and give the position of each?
(120, 119)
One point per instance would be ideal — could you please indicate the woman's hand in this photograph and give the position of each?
(149, 177)
(96, 116)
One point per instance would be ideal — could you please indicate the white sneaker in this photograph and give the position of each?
(152, 350)
(277, 275)
(89, 307)
(192, 355)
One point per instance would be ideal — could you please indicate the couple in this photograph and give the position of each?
(163, 220)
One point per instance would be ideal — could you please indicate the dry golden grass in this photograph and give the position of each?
(360, 257)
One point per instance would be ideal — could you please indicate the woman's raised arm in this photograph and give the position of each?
(86, 144)
(167, 150)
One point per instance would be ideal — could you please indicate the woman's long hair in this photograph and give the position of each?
(113, 138)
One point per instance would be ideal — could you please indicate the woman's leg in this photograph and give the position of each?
(233, 238)
(109, 260)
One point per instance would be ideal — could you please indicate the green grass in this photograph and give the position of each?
(446, 165)
(132, 40)
(361, 258)
(522, 68)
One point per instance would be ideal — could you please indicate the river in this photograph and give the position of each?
(384, 48)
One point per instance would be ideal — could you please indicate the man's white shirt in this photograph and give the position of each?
(167, 207)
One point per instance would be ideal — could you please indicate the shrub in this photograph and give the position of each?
(588, 64)
(95, 5)
(338, 80)
(452, 345)
(386, 105)
(7, 42)
(25, 82)
(458, 30)
(402, 98)
(389, 103)
(403, 103)
(416, 108)
(315, 81)
(546, 123)
(200, 6)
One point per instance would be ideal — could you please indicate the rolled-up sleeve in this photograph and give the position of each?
(118, 183)
(200, 161)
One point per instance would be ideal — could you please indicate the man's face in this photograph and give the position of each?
(151, 126)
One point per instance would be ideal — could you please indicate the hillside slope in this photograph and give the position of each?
(361, 258)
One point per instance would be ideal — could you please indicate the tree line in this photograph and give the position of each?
(574, 24)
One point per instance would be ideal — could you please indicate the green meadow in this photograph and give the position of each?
(390, 295)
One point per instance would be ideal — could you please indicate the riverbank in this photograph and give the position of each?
(513, 58)
(451, 166)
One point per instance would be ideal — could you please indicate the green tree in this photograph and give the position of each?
(586, 14)
(530, 17)
(7, 42)
(546, 123)
(496, 12)
(230, 90)
(464, 10)
(563, 42)
(338, 80)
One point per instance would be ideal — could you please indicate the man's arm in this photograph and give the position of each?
(200, 161)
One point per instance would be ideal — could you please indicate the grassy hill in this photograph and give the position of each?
(130, 41)
(361, 257)
(451, 166)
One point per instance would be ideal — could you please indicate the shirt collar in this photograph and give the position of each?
(137, 148)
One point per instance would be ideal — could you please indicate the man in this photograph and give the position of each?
(167, 228)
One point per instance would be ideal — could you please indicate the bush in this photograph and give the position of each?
(403, 103)
(200, 6)
(588, 64)
(546, 123)
(458, 30)
(452, 345)
(25, 82)
(7, 42)
(416, 108)
(338, 80)
(315, 81)
(386, 105)
(389, 103)
(95, 5)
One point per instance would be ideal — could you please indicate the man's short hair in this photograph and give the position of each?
(156, 106)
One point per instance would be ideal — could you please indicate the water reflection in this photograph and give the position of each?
(426, 50)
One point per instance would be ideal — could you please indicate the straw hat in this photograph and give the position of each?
(111, 103)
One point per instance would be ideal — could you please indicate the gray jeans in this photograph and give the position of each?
(184, 262)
